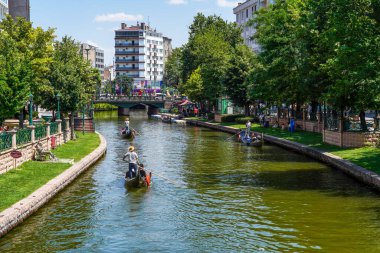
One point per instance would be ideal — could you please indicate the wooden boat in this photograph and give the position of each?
(245, 139)
(128, 134)
(138, 181)
(251, 141)
(166, 119)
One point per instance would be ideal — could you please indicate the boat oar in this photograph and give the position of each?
(135, 131)
(169, 180)
(233, 135)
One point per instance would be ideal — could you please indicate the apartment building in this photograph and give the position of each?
(139, 53)
(94, 55)
(3, 8)
(244, 12)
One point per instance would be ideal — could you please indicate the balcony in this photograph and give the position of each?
(126, 44)
(123, 52)
(127, 60)
(129, 68)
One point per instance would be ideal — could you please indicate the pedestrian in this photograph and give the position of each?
(132, 158)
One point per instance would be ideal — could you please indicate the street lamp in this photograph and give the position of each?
(58, 112)
(30, 109)
(83, 120)
(87, 48)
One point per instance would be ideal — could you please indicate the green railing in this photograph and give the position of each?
(5, 141)
(53, 128)
(40, 132)
(23, 136)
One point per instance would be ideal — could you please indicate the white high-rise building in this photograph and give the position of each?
(139, 53)
(3, 8)
(244, 12)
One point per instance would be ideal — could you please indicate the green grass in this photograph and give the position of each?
(79, 148)
(25, 179)
(367, 157)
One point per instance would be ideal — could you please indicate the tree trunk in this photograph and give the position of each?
(21, 118)
(247, 110)
(363, 123)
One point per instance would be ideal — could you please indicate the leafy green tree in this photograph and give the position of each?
(25, 55)
(280, 78)
(173, 68)
(125, 83)
(236, 78)
(229, 32)
(194, 87)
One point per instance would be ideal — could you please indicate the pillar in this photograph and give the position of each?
(33, 133)
(14, 140)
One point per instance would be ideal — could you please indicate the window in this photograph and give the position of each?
(246, 13)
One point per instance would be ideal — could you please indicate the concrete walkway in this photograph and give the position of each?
(361, 174)
(18, 212)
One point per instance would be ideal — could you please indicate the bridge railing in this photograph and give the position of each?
(133, 98)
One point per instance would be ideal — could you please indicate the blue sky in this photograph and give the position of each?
(94, 21)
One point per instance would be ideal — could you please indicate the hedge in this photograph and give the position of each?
(243, 120)
(230, 117)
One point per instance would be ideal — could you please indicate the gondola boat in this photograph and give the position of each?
(128, 134)
(166, 119)
(245, 139)
(250, 141)
(138, 181)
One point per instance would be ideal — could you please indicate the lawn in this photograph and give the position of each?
(367, 157)
(25, 179)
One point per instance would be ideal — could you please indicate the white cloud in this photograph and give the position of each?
(227, 3)
(118, 17)
(177, 2)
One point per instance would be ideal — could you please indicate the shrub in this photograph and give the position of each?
(243, 120)
(230, 117)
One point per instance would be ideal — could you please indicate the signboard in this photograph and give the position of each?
(16, 154)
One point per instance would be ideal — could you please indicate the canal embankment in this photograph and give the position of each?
(30, 186)
(360, 173)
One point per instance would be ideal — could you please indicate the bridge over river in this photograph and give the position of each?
(125, 103)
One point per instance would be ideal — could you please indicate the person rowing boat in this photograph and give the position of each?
(132, 158)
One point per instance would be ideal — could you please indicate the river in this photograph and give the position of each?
(225, 198)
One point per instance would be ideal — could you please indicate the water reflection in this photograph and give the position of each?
(235, 199)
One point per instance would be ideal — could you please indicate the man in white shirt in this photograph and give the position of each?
(132, 158)
(248, 129)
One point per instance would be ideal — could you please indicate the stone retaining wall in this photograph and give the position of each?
(351, 139)
(17, 213)
(368, 177)
(7, 162)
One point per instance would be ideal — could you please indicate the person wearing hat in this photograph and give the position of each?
(126, 122)
(132, 158)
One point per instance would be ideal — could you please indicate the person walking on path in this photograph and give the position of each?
(132, 158)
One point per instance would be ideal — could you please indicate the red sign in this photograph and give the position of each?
(16, 154)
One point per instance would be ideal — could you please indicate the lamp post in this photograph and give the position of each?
(58, 112)
(87, 49)
(30, 109)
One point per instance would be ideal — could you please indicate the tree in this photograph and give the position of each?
(229, 32)
(281, 76)
(173, 68)
(25, 55)
(236, 78)
(125, 83)
(194, 87)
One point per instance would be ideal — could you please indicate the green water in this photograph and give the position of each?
(227, 198)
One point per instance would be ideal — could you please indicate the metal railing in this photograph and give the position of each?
(5, 141)
(23, 136)
(40, 132)
(53, 128)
